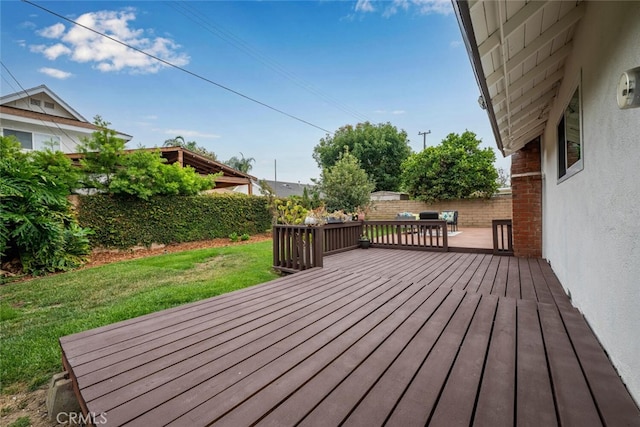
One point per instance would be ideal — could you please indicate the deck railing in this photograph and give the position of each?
(297, 247)
(301, 247)
(341, 237)
(502, 236)
(408, 234)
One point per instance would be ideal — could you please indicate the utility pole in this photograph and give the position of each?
(424, 138)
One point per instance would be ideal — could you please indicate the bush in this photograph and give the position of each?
(127, 222)
(36, 222)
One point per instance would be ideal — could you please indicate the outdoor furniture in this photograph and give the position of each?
(429, 215)
(452, 219)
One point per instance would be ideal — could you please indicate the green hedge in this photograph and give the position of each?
(126, 222)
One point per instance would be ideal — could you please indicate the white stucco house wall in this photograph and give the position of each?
(38, 116)
(549, 74)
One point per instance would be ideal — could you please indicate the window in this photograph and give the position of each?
(49, 105)
(35, 102)
(34, 141)
(24, 137)
(570, 138)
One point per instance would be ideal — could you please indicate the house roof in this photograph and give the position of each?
(21, 114)
(286, 189)
(27, 93)
(518, 51)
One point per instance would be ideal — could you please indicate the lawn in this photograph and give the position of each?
(34, 314)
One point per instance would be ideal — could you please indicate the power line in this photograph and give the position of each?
(27, 93)
(240, 44)
(191, 73)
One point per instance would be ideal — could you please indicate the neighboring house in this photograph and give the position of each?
(203, 165)
(37, 116)
(548, 74)
(280, 188)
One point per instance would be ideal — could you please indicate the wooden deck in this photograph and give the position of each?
(375, 337)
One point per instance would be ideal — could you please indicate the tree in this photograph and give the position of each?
(179, 141)
(37, 226)
(242, 164)
(455, 169)
(144, 174)
(102, 154)
(504, 178)
(380, 149)
(346, 185)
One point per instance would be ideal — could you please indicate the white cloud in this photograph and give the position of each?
(398, 112)
(422, 7)
(455, 44)
(85, 46)
(52, 32)
(51, 52)
(365, 6)
(28, 25)
(185, 133)
(393, 112)
(55, 73)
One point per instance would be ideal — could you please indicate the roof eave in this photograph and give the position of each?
(461, 8)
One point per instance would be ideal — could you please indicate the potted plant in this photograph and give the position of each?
(337, 217)
(364, 241)
(316, 216)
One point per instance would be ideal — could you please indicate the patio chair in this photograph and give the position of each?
(452, 219)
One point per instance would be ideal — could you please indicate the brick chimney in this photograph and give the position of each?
(526, 188)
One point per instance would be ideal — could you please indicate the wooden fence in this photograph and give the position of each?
(502, 236)
(409, 234)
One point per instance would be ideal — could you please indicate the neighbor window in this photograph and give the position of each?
(49, 105)
(570, 138)
(35, 102)
(34, 141)
(25, 138)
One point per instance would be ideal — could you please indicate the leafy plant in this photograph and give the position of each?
(179, 141)
(346, 185)
(380, 149)
(245, 236)
(233, 237)
(289, 212)
(36, 222)
(121, 222)
(455, 169)
(242, 164)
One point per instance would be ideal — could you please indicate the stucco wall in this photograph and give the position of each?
(471, 212)
(591, 221)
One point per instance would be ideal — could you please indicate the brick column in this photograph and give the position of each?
(526, 188)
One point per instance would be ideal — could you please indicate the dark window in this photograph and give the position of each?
(35, 102)
(25, 138)
(49, 105)
(570, 138)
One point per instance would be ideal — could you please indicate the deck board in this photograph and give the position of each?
(377, 336)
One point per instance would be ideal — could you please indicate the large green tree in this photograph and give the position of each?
(345, 185)
(380, 149)
(457, 168)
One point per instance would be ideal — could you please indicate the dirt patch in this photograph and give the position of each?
(25, 404)
(106, 257)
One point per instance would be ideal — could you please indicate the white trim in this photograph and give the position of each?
(522, 175)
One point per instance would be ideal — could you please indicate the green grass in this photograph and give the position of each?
(34, 314)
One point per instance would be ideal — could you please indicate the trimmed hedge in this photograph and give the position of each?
(126, 222)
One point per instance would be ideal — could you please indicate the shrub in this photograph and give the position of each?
(36, 222)
(245, 236)
(125, 222)
(233, 237)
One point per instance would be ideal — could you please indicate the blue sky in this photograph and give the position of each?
(329, 63)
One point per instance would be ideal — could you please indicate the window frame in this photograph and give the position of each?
(565, 172)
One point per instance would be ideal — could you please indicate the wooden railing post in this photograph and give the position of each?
(317, 237)
(499, 246)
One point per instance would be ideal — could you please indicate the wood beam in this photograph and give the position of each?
(546, 37)
(548, 81)
(517, 20)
